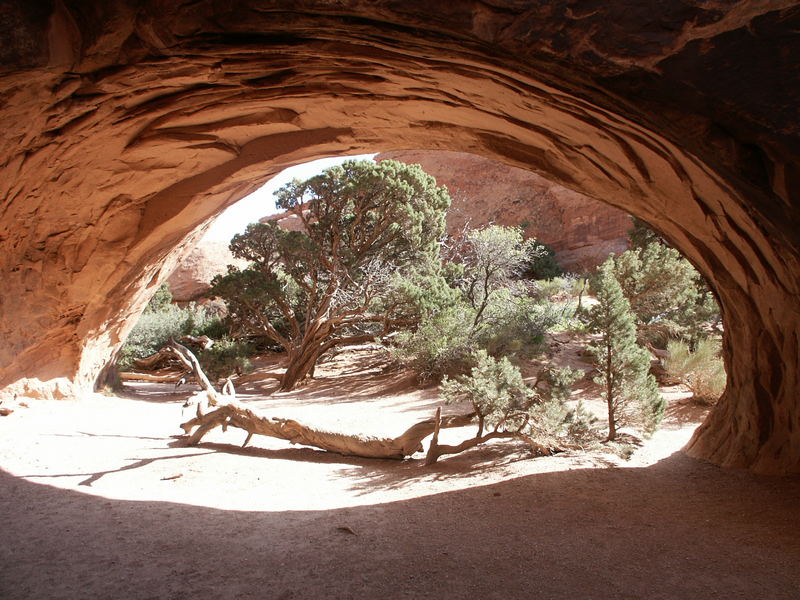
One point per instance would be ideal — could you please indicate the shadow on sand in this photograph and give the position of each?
(677, 529)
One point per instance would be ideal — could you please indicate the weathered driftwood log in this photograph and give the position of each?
(148, 363)
(169, 377)
(228, 413)
(202, 341)
(190, 361)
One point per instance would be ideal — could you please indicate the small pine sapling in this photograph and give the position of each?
(630, 392)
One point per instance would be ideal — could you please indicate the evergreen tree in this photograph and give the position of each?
(640, 235)
(364, 263)
(629, 390)
(668, 297)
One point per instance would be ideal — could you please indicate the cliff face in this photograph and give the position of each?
(193, 275)
(581, 230)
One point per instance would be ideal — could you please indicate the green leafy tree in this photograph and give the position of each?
(366, 249)
(667, 295)
(630, 392)
(491, 259)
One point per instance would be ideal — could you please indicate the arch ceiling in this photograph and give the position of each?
(128, 126)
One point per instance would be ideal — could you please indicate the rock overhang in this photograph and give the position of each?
(130, 125)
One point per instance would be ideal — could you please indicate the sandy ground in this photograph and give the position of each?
(99, 499)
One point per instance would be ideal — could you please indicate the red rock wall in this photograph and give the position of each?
(581, 230)
(193, 275)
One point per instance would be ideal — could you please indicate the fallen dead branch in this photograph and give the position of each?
(228, 413)
(232, 415)
(171, 377)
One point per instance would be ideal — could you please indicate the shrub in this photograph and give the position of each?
(513, 324)
(160, 300)
(151, 332)
(442, 344)
(495, 389)
(162, 320)
(703, 370)
(580, 426)
(227, 357)
(504, 403)
(540, 261)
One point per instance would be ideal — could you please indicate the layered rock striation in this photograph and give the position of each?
(127, 126)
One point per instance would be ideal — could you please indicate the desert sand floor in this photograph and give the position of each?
(100, 500)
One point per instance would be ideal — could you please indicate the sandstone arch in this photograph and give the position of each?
(128, 126)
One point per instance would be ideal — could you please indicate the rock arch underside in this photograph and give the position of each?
(128, 126)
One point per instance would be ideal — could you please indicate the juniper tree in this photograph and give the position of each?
(506, 407)
(630, 392)
(363, 263)
(668, 297)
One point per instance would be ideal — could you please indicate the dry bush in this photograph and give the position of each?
(702, 370)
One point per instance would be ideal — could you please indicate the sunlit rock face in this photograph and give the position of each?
(128, 125)
(581, 230)
(192, 277)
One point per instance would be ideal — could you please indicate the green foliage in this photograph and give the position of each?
(160, 321)
(560, 288)
(227, 357)
(445, 342)
(365, 263)
(151, 332)
(540, 261)
(641, 236)
(702, 370)
(484, 307)
(496, 390)
(160, 300)
(442, 344)
(491, 260)
(416, 293)
(667, 295)
(558, 382)
(629, 390)
(505, 403)
(514, 324)
(580, 426)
